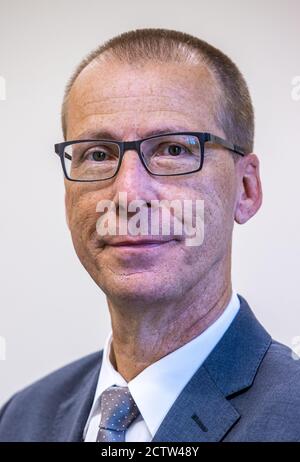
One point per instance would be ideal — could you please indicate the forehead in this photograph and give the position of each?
(138, 96)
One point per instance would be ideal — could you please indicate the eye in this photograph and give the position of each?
(97, 155)
(174, 149)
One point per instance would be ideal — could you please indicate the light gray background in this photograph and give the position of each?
(51, 310)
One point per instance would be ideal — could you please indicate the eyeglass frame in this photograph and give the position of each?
(124, 146)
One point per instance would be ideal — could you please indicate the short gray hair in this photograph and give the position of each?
(234, 115)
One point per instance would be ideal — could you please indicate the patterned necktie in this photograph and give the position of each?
(118, 410)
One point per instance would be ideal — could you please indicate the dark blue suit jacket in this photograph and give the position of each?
(248, 389)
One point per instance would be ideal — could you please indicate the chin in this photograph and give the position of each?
(135, 287)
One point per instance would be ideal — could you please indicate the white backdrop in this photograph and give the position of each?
(51, 310)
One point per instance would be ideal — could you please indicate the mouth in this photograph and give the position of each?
(139, 244)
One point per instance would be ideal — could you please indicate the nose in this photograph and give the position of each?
(133, 178)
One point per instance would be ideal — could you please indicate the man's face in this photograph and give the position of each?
(130, 101)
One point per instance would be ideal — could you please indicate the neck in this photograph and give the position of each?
(144, 334)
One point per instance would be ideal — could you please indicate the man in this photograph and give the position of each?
(186, 360)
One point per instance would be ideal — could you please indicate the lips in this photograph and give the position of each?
(138, 242)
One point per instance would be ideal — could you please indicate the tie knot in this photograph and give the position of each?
(118, 409)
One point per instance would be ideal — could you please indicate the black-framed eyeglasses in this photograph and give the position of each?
(169, 154)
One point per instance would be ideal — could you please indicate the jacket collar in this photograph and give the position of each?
(202, 411)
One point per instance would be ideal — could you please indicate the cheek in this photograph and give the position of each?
(216, 187)
(219, 197)
(81, 210)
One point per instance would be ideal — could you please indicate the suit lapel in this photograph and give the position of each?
(203, 411)
(74, 411)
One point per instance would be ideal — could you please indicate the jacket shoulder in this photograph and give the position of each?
(41, 399)
(270, 407)
(281, 364)
(278, 376)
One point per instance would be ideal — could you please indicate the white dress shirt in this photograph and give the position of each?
(157, 387)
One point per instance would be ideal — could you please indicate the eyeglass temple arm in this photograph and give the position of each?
(226, 144)
(57, 150)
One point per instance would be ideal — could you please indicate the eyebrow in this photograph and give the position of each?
(109, 135)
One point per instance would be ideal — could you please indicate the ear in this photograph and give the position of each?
(249, 191)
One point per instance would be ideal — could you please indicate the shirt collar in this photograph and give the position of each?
(166, 378)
